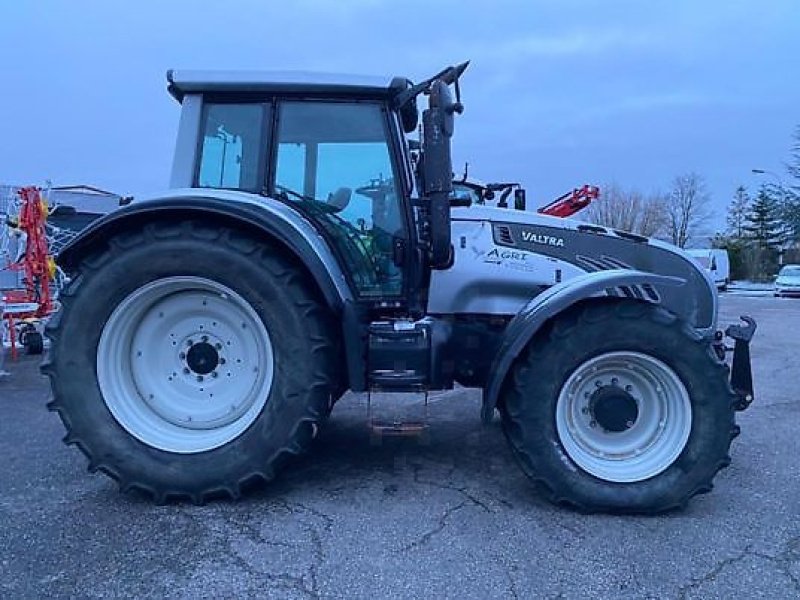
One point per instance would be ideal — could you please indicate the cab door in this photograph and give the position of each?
(334, 162)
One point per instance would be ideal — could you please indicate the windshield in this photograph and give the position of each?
(790, 271)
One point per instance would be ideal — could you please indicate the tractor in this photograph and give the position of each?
(207, 332)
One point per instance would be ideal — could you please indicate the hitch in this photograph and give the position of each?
(741, 371)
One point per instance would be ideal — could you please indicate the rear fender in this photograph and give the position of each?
(264, 218)
(548, 304)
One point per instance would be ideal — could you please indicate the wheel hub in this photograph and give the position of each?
(202, 358)
(613, 408)
(185, 364)
(623, 416)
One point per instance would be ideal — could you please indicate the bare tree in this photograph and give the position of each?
(627, 210)
(688, 206)
(653, 217)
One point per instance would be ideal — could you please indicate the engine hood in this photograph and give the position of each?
(594, 248)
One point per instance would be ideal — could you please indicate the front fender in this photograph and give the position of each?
(548, 304)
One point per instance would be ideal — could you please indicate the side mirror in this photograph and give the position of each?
(409, 115)
(437, 128)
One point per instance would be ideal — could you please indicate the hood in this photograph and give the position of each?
(594, 248)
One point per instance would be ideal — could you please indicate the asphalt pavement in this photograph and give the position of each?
(452, 517)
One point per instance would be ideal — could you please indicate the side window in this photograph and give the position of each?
(333, 158)
(231, 151)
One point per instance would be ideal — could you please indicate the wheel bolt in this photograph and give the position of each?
(185, 371)
(199, 378)
(585, 410)
(592, 424)
(214, 374)
(182, 355)
(628, 424)
(222, 360)
(190, 343)
(218, 346)
(204, 338)
(614, 381)
(629, 388)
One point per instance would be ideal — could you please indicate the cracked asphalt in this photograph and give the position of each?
(448, 516)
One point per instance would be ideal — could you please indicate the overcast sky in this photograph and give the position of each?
(559, 92)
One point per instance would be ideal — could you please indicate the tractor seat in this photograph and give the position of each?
(339, 199)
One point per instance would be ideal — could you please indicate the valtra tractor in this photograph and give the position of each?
(206, 333)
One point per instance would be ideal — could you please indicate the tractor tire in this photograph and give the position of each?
(190, 361)
(619, 407)
(33, 342)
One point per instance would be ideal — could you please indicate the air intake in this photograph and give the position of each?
(502, 235)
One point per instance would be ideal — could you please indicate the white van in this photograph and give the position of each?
(716, 261)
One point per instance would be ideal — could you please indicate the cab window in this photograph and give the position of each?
(231, 146)
(333, 159)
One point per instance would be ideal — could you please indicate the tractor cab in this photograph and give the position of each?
(334, 152)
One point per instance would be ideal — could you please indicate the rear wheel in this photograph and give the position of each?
(190, 361)
(32, 340)
(619, 407)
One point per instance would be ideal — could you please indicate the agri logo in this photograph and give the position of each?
(542, 240)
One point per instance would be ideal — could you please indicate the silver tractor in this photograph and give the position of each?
(207, 332)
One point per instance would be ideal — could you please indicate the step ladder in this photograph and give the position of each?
(398, 364)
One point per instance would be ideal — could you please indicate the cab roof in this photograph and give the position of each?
(182, 82)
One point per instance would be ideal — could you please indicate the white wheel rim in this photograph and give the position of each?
(599, 396)
(185, 364)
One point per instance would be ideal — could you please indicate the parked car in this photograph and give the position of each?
(716, 261)
(788, 281)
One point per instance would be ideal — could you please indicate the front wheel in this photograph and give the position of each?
(619, 407)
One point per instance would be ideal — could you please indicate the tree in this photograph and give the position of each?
(653, 216)
(790, 210)
(790, 214)
(737, 212)
(763, 225)
(627, 210)
(687, 207)
(765, 232)
(794, 166)
(737, 248)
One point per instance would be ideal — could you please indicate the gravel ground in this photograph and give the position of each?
(453, 517)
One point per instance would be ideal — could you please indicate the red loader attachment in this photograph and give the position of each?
(571, 202)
